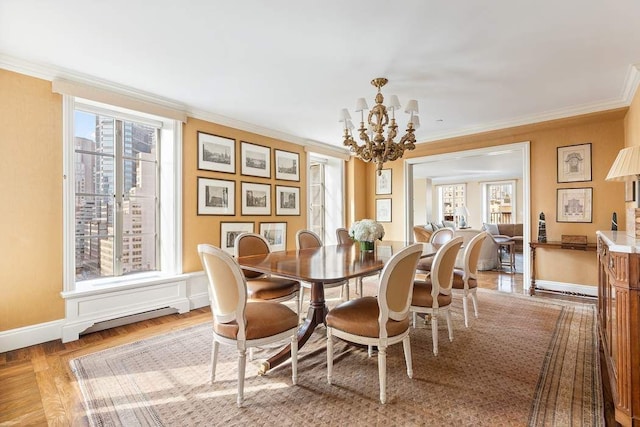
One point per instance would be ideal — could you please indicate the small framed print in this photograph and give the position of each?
(383, 182)
(256, 199)
(574, 204)
(276, 235)
(630, 190)
(216, 196)
(287, 200)
(574, 163)
(287, 165)
(216, 153)
(229, 231)
(383, 210)
(255, 160)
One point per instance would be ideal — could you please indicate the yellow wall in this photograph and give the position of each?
(605, 131)
(31, 200)
(632, 122)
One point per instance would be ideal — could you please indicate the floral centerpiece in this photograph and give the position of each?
(366, 231)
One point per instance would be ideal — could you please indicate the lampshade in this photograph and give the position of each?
(416, 122)
(394, 102)
(462, 211)
(626, 164)
(361, 104)
(412, 107)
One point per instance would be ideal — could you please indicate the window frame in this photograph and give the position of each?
(486, 209)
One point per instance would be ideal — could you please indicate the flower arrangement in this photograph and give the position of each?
(366, 230)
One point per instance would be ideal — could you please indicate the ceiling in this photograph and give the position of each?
(286, 67)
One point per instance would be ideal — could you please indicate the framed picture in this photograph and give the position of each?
(383, 210)
(276, 235)
(630, 190)
(229, 231)
(287, 165)
(383, 182)
(574, 204)
(216, 196)
(287, 200)
(255, 160)
(256, 199)
(574, 163)
(216, 153)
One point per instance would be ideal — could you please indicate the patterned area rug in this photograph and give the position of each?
(525, 361)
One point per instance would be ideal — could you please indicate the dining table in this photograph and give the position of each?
(320, 266)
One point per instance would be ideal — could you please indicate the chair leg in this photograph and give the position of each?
(474, 298)
(449, 324)
(250, 354)
(242, 357)
(415, 318)
(369, 350)
(382, 372)
(294, 359)
(464, 310)
(329, 355)
(214, 360)
(359, 286)
(345, 288)
(434, 333)
(406, 345)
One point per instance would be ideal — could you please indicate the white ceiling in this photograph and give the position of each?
(288, 66)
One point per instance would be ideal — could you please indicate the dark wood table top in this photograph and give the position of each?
(328, 264)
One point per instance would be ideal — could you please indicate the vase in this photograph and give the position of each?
(366, 246)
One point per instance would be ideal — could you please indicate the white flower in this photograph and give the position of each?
(366, 230)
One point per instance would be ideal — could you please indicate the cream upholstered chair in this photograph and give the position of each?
(421, 234)
(381, 321)
(307, 239)
(465, 279)
(439, 236)
(343, 238)
(240, 323)
(433, 295)
(264, 286)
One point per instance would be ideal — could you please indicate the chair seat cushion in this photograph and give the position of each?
(360, 317)
(268, 288)
(264, 319)
(458, 282)
(422, 295)
(424, 264)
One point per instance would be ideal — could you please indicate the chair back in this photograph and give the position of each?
(421, 234)
(342, 236)
(472, 253)
(306, 239)
(441, 235)
(394, 300)
(227, 286)
(250, 244)
(442, 268)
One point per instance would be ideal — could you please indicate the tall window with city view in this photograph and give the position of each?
(116, 186)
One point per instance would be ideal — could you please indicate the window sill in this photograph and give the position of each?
(105, 286)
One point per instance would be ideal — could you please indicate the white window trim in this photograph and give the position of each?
(485, 199)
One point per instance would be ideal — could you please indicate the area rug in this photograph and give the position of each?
(525, 361)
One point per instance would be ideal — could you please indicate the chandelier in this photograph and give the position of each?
(376, 147)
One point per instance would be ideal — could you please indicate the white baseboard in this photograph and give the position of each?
(567, 288)
(197, 295)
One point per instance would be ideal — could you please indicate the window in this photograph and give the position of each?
(450, 197)
(500, 202)
(316, 204)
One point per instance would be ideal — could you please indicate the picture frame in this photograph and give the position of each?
(229, 231)
(383, 210)
(383, 182)
(216, 196)
(630, 190)
(287, 200)
(276, 235)
(574, 163)
(216, 153)
(255, 160)
(256, 198)
(287, 165)
(574, 204)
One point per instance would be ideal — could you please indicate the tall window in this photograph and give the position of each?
(317, 193)
(450, 197)
(500, 202)
(116, 194)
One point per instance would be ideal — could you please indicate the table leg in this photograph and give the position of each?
(315, 316)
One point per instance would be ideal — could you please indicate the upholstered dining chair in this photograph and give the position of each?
(433, 295)
(263, 286)
(439, 236)
(381, 321)
(465, 279)
(421, 234)
(307, 239)
(241, 323)
(343, 238)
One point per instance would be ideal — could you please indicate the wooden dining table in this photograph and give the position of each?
(320, 266)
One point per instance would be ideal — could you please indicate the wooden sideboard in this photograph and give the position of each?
(619, 320)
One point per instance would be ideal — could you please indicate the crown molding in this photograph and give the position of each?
(631, 83)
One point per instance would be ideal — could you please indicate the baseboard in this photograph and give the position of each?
(30, 335)
(567, 288)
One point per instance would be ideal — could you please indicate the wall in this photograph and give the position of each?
(606, 132)
(31, 200)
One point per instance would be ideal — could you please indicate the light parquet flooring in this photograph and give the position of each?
(38, 388)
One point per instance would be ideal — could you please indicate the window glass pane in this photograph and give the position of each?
(138, 253)
(94, 216)
(94, 257)
(95, 174)
(85, 131)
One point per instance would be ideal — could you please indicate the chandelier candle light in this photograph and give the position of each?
(376, 147)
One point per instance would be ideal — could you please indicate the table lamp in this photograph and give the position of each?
(626, 167)
(462, 213)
